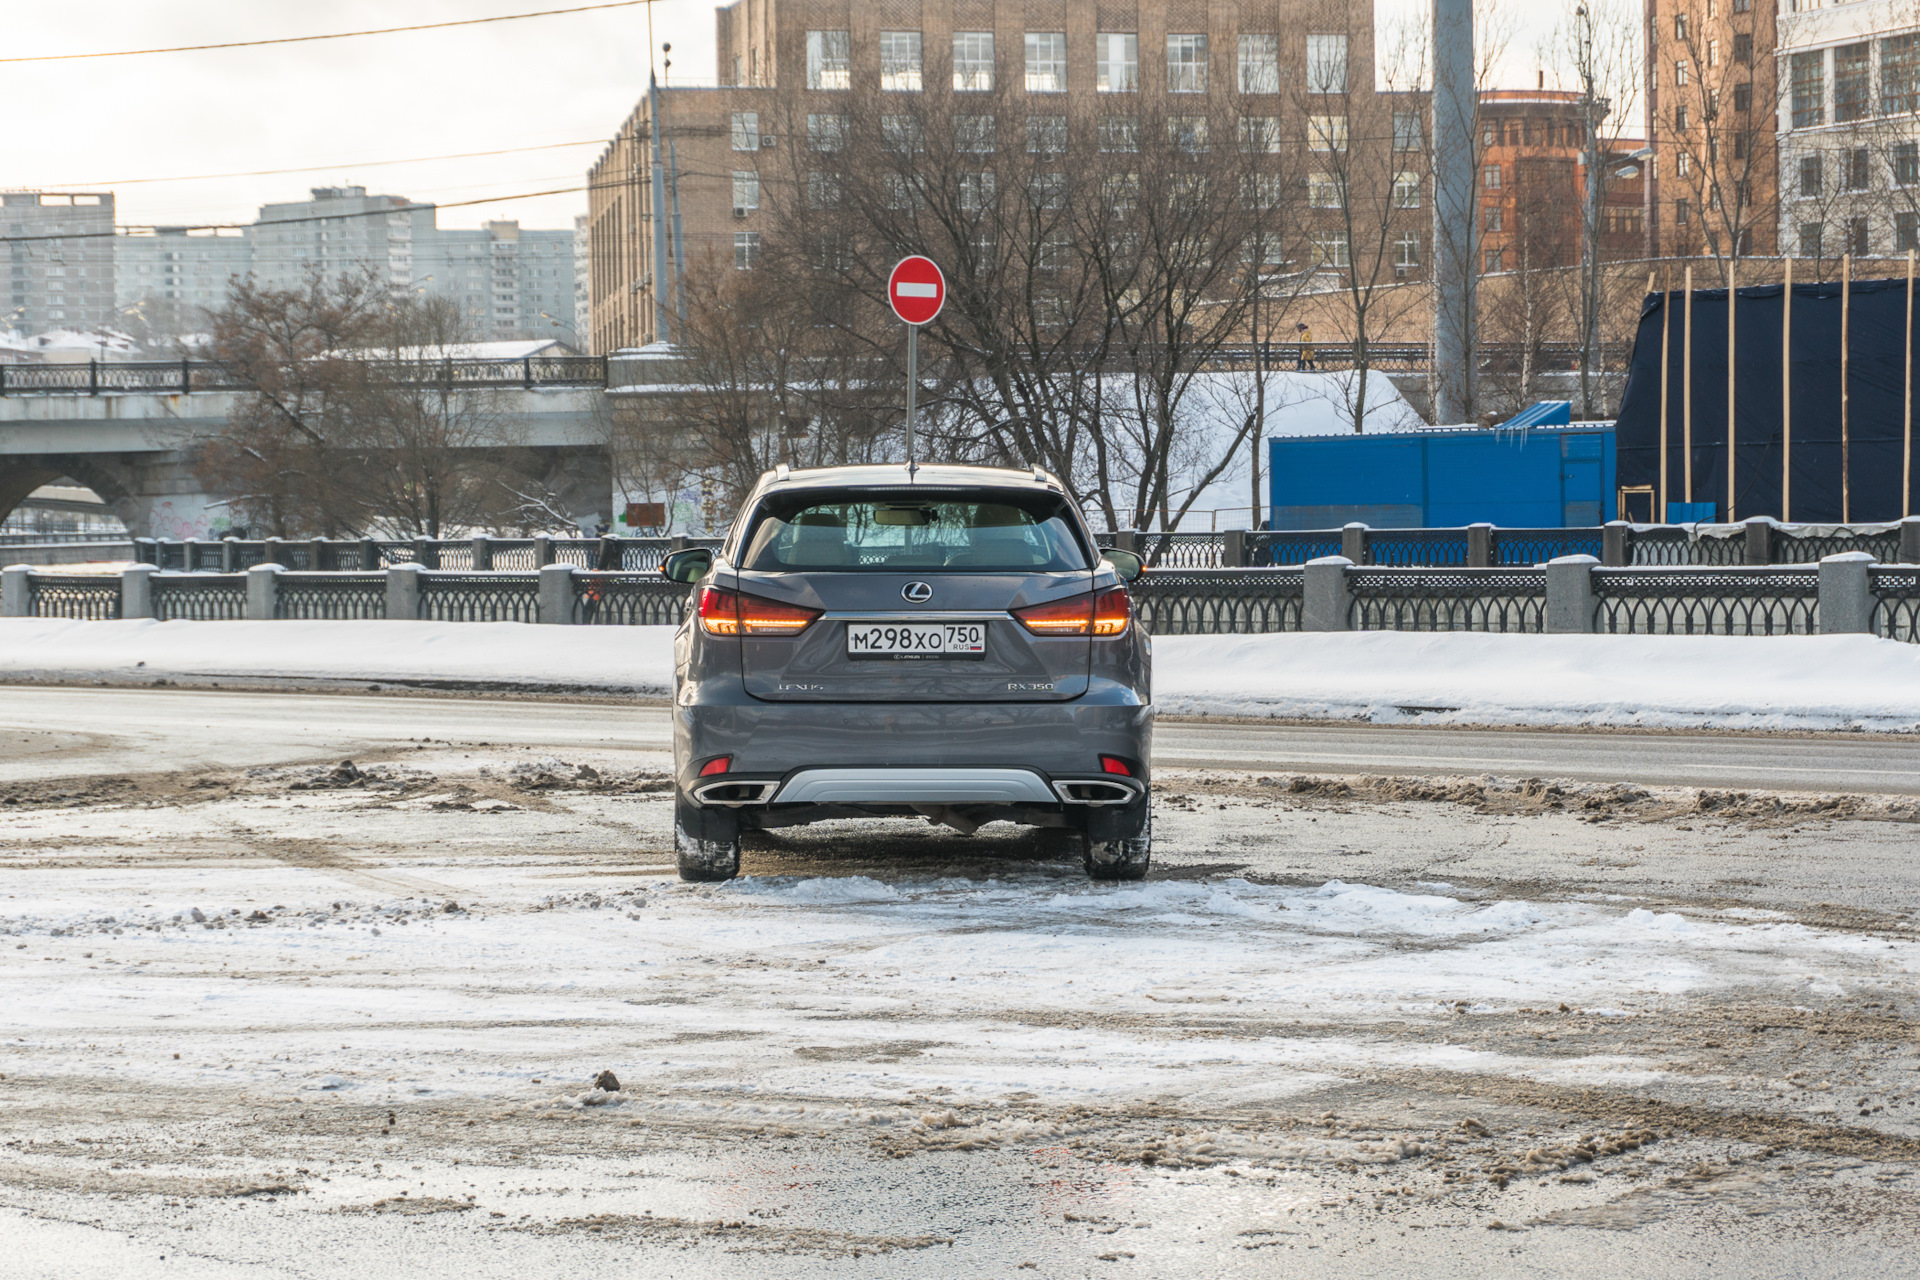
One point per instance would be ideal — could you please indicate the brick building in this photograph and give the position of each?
(1256, 70)
(1533, 183)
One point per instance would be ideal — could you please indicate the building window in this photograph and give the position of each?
(1743, 98)
(1809, 177)
(823, 190)
(1406, 190)
(1859, 169)
(973, 61)
(1187, 64)
(902, 193)
(1810, 239)
(1857, 243)
(1682, 211)
(1743, 49)
(1046, 62)
(973, 135)
(1743, 6)
(1406, 251)
(1047, 191)
(1330, 250)
(902, 134)
(1188, 133)
(1116, 67)
(1407, 133)
(1119, 134)
(1809, 89)
(1327, 64)
(900, 61)
(1490, 177)
(1679, 26)
(1493, 262)
(1046, 135)
(1326, 133)
(1492, 219)
(1683, 163)
(1260, 135)
(746, 250)
(829, 60)
(1323, 191)
(976, 192)
(746, 131)
(1852, 82)
(1262, 190)
(826, 133)
(1906, 232)
(1259, 64)
(1681, 116)
(1713, 53)
(1906, 163)
(1900, 74)
(746, 189)
(1680, 73)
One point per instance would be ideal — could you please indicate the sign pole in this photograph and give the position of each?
(913, 383)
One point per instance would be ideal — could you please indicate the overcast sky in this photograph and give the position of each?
(345, 104)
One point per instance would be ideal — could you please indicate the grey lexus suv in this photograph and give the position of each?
(942, 642)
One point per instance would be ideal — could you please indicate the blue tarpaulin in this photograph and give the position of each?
(1877, 364)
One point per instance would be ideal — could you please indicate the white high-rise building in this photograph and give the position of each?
(59, 260)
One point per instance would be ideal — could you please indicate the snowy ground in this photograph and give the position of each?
(306, 1020)
(1719, 682)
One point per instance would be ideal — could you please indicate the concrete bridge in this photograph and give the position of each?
(127, 431)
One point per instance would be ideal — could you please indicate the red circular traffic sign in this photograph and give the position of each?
(916, 290)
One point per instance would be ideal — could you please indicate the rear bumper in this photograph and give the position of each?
(1051, 740)
(915, 785)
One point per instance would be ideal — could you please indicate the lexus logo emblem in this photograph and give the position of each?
(916, 593)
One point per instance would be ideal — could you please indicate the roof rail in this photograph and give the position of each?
(781, 472)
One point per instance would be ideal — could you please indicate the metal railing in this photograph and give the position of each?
(1707, 602)
(1179, 602)
(1844, 594)
(182, 377)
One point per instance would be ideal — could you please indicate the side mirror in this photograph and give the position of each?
(1128, 565)
(687, 566)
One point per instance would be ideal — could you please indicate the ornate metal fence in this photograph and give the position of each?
(83, 597)
(199, 597)
(1447, 600)
(1421, 548)
(627, 600)
(331, 595)
(1755, 601)
(1216, 601)
(479, 598)
(1291, 546)
(1796, 548)
(1521, 547)
(1896, 603)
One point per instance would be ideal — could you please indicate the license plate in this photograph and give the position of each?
(916, 639)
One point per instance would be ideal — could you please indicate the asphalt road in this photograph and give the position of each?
(52, 732)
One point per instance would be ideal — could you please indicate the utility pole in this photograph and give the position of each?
(1592, 112)
(1455, 219)
(662, 330)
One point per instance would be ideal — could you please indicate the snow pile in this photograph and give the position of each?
(1722, 682)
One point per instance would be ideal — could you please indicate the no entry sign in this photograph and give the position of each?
(916, 289)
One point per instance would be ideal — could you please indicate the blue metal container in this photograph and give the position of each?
(1541, 477)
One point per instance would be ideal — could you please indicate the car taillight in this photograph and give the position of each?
(1111, 612)
(1114, 764)
(734, 613)
(1106, 614)
(1059, 618)
(719, 764)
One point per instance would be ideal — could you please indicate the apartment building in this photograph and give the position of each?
(1533, 183)
(1714, 111)
(167, 278)
(1015, 75)
(513, 282)
(1849, 106)
(60, 266)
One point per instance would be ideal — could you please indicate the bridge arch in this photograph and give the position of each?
(21, 474)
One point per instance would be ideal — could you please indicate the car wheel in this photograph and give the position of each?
(706, 842)
(1113, 855)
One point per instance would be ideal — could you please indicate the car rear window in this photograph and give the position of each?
(931, 532)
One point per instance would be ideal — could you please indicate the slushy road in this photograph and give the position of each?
(55, 732)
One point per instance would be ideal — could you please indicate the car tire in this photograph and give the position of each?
(706, 842)
(1118, 856)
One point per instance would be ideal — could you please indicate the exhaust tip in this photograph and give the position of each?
(736, 793)
(1094, 791)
